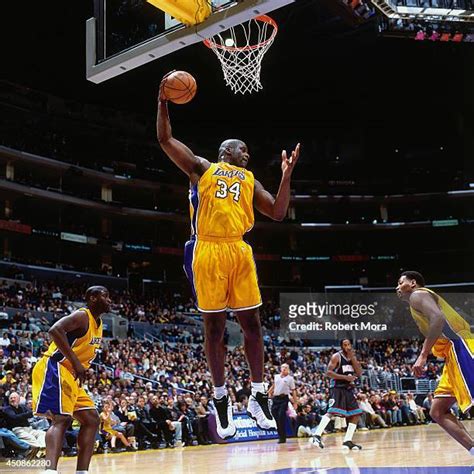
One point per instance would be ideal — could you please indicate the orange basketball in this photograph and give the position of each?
(179, 87)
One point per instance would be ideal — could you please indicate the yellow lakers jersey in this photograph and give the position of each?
(221, 202)
(456, 327)
(84, 347)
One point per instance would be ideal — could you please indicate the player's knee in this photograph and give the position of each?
(61, 421)
(436, 413)
(252, 326)
(92, 419)
(214, 332)
(95, 421)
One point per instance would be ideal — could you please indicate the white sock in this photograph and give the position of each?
(82, 472)
(220, 392)
(350, 432)
(257, 387)
(322, 425)
(471, 451)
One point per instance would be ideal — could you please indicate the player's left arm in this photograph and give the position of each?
(425, 304)
(276, 208)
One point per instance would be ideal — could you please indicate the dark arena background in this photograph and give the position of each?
(380, 95)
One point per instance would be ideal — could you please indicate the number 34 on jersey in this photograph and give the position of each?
(221, 202)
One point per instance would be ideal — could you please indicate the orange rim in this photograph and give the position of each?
(264, 19)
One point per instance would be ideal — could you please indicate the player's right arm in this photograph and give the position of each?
(332, 366)
(77, 323)
(194, 166)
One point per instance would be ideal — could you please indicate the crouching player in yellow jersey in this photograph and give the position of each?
(448, 335)
(219, 263)
(58, 376)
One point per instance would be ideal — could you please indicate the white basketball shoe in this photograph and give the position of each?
(225, 419)
(259, 410)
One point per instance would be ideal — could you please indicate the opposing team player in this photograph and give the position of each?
(343, 369)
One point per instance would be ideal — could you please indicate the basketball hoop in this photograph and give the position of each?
(240, 50)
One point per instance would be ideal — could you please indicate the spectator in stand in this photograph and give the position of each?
(244, 391)
(12, 442)
(305, 421)
(8, 379)
(202, 411)
(162, 418)
(106, 423)
(415, 409)
(3, 357)
(126, 418)
(185, 416)
(379, 409)
(4, 340)
(17, 417)
(455, 410)
(104, 378)
(408, 418)
(371, 418)
(70, 440)
(427, 402)
(145, 428)
(391, 405)
(176, 424)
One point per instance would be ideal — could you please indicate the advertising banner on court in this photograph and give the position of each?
(247, 430)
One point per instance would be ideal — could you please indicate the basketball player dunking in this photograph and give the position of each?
(219, 263)
(58, 376)
(447, 335)
(343, 369)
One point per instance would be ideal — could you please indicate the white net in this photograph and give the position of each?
(240, 50)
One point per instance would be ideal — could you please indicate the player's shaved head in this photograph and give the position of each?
(94, 291)
(230, 143)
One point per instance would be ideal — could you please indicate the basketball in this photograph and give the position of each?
(180, 87)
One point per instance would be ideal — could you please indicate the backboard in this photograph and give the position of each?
(125, 35)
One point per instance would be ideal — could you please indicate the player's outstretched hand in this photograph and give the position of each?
(288, 164)
(161, 95)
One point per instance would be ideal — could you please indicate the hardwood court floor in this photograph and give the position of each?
(412, 450)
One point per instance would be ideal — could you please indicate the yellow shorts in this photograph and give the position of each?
(222, 274)
(55, 390)
(457, 379)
